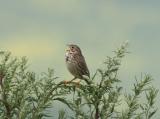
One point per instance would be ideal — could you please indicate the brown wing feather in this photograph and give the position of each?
(82, 66)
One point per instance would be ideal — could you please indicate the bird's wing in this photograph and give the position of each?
(83, 66)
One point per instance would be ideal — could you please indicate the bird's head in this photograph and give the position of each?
(73, 49)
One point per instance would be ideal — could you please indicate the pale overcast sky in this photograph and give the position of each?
(40, 30)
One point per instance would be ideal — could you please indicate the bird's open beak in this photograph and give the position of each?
(67, 49)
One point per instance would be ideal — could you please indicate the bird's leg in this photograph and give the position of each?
(66, 82)
(78, 83)
(73, 79)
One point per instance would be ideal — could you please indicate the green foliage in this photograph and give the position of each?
(25, 95)
(135, 108)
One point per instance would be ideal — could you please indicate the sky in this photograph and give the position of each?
(40, 30)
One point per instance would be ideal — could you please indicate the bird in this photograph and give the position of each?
(76, 63)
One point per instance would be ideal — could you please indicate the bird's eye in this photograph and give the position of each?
(72, 47)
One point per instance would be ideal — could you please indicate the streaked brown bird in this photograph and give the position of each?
(76, 63)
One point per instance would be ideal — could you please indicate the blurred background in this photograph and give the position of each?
(40, 30)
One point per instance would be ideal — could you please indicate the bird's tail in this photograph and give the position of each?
(87, 80)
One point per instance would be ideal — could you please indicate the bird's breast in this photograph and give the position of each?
(68, 57)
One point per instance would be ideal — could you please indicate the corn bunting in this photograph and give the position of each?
(76, 63)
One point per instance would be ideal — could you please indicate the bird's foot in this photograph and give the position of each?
(66, 82)
(77, 84)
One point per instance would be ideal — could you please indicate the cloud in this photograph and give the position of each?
(31, 46)
(51, 6)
